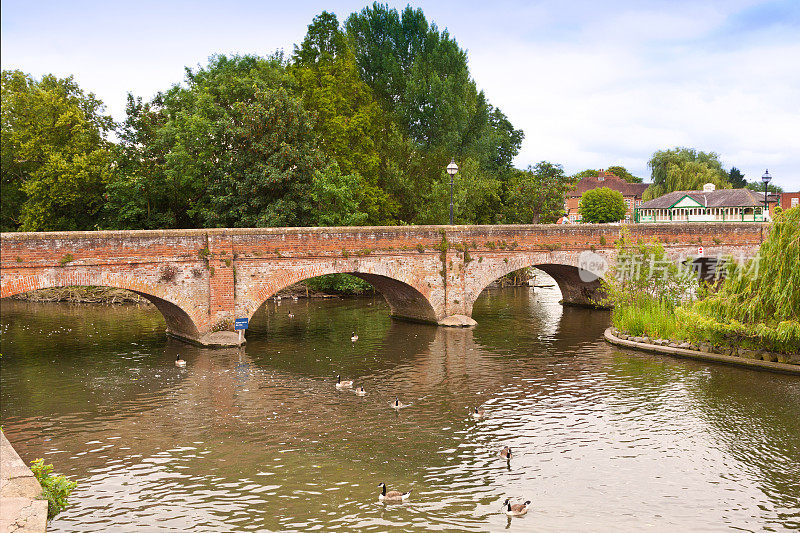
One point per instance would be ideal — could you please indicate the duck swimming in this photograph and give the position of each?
(397, 404)
(360, 391)
(505, 453)
(477, 413)
(354, 337)
(179, 362)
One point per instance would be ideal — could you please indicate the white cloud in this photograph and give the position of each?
(618, 97)
(591, 83)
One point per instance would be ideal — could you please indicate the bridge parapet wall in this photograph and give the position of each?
(203, 279)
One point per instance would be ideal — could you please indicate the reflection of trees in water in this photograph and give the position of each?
(317, 338)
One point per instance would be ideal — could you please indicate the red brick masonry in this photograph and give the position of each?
(202, 279)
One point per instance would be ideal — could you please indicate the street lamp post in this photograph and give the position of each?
(766, 178)
(452, 168)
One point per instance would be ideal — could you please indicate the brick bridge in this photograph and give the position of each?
(201, 280)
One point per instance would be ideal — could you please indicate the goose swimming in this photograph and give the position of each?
(518, 509)
(392, 495)
(343, 384)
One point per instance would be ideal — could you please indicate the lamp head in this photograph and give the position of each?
(452, 168)
(766, 178)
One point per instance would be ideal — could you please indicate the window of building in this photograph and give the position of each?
(795, 202)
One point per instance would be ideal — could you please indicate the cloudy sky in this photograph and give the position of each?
(591, 83)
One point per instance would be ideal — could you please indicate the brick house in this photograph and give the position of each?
(790, 200)
(631, 192)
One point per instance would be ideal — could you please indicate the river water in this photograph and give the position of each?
(259, 439)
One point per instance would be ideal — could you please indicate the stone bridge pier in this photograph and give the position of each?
(201, 280)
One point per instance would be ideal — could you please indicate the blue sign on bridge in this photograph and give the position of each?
(240, 323)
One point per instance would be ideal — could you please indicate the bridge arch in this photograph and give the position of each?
(562, 267)
(408, 296)
(176, 311)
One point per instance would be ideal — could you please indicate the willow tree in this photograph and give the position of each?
(684, 169)
(759, 302)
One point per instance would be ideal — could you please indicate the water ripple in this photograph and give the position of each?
(260, 439)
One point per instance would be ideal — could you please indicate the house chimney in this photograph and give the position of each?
(601, 175)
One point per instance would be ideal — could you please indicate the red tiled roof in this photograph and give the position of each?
(611, 181)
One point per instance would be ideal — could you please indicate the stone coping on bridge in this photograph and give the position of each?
(756, 364)
(487, 229)
(21, 507)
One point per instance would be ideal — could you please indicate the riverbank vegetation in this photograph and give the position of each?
(756, 306)
(55, 489)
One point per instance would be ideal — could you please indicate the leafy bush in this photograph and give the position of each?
(602, 205)
(339, 284)
(642, 273)
(55, 489)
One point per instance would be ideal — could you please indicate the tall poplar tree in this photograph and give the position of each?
(350, 125)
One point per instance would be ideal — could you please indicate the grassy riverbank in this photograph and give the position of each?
(756, 307)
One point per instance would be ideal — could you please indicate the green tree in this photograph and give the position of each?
(684, 169)
(536, 195)
(55, 156)
(420, 76)
(588, 173)
(758, 186)
(758, 304)
(142, 194)
(234, 147)
(736, 178)
(477, 198)
(622, 172)
(602, 205)
(350, 125)
(337, 198)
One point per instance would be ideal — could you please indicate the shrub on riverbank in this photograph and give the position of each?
(338, 284)
(644, 288)
(756, 307)
(55, 489)
(648, 317)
